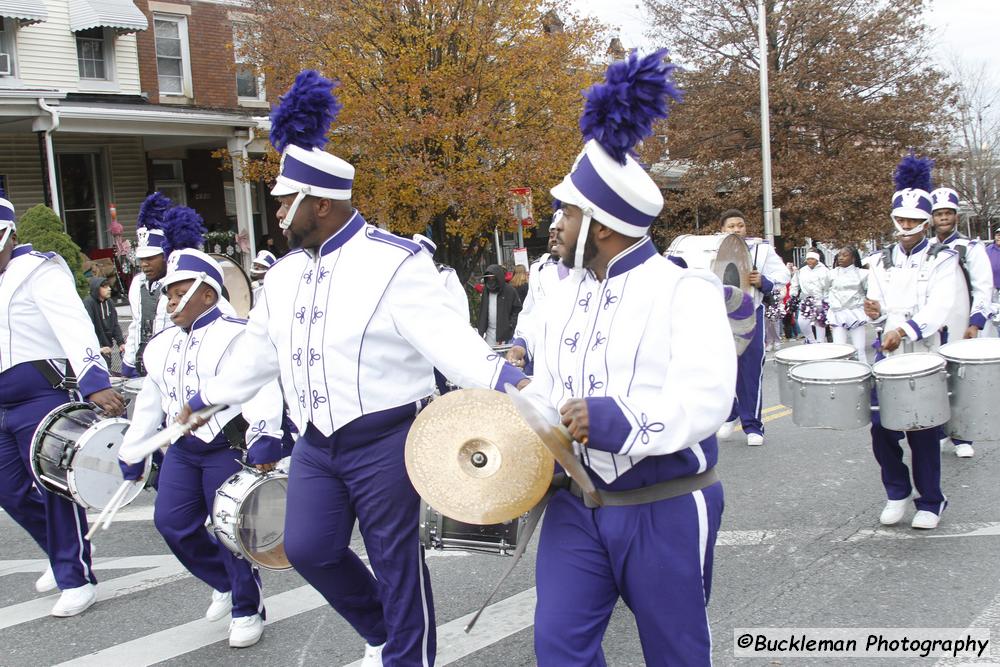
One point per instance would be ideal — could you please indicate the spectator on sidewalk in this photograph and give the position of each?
(499, 307)
(104, 316)
(520, 282)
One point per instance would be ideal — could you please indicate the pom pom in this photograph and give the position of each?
(305, 113)
(116, 228)
(914, 172)
(620, 112)
(152, 210)
(182, 228)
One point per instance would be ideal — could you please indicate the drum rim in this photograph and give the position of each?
(33, 448)
(849, 349)
(852, 380)
(971, 361)
(260, 478)
(71, 474)
(913, 374)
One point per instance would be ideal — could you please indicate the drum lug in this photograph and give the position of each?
(223, 516)
(913, 384)
(833, 394)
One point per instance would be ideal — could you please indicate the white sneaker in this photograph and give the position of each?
(925, 520)
(964, 450)
(755, 439)
(46, 582)
(726, 430)
(74, 601)
(893, 512)
(245, 631)
(373, 656)
(222, 604)
(946, 443)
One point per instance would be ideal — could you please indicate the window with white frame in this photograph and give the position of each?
(95, 54)
(249, 82)
(168, 178)
(173, 59)
(7, 27)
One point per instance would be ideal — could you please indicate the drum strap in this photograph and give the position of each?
(670, 488)
(236, 432)
(53, 376)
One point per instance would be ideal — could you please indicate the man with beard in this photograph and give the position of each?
(499, 307)
(352, 321)
(971, 307)
(636, 359)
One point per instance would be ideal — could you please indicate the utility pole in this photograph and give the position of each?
(765, 125)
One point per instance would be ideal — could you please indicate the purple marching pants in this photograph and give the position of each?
(749, 373)
(359, 473)
(192, 471)
(657, 557)
(55, 523)
(925, 450)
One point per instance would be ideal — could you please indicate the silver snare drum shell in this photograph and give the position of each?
(442, 533)
(248, 516)
(912, 391)
(790, 357)
(974, 383)
(832, 393)
(130, 389)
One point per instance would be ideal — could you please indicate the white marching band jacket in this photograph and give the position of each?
(814, 282)
(980, 286)
(459, 299)
(45, 319)
(772, 269)
(916, 291)
(847, 288)
(354, 328)
(651, 351)
(178, 362)
(544, 277)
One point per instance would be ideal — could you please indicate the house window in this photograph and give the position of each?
(7, 27)
(173, 60)
(168, 178)
(93, 49)
(249, 82)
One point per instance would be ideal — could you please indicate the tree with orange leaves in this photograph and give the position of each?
(446, 103)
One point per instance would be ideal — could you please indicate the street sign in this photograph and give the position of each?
(520, 206)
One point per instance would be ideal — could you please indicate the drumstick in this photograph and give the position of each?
(118, 505)
(119, 494)
(140, 450)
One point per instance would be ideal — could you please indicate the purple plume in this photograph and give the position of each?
(620, 112)
(152, 210)
(914, 172)
(182, 228)
(305, 113)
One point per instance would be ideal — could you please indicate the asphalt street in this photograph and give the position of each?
(800, 546)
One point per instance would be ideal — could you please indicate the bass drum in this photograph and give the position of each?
(236, 284)
(725, 255)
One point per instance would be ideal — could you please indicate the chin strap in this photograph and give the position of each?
(187, 296)
(581, 242)
(287, 221)
(6, 235)
(900, 232)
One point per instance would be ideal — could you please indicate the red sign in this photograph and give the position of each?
(520, 206)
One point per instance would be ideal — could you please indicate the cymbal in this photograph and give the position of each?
(471, 457)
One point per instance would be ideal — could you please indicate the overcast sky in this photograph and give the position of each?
(968, 27)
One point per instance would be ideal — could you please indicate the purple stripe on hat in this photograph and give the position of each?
(592, 186)
(154, 240)
(198, 265)
(6, 213)
(301, 172)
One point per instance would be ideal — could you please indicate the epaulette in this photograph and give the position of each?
(286, 256)
(443, 268)
(43, 255)
(376, 234)
(237, 320)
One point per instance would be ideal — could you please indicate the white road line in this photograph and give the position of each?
(130, 583)
(108, 563)
(903, 532)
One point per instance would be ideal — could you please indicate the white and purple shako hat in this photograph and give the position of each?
(911, 199)
(944, 198)
(606, 181)
(299, 125)
(7, 223)
(191, 264)
(265, 259)
(149, 225)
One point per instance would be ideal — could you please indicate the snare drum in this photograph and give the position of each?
(74, 453)
(912, 391)
(974, 381)
(131, 390)
(442, 533)
(725, 255)
(790, 357)
(834, 393)
(248, 516)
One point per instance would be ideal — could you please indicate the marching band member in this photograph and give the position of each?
(179, 360)
(635, 357)
(264, 260)
(43, 328)
(972, 304)
(848, 286)
(459, 299)
(544, 275)
(910, 291)
(812, 285)
(768, 270)
(352, 321)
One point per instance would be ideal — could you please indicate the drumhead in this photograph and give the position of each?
(972, 349)
(831, 370)
(236, 283)
(95, 476)
(907, 365)
(725, 255)
(261, 528)
(814, 352)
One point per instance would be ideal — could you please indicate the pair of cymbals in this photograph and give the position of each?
(472, 456)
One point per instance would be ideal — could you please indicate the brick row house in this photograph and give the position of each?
(104, 101)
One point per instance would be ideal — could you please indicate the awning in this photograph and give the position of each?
(24, 11)
(120, 15)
